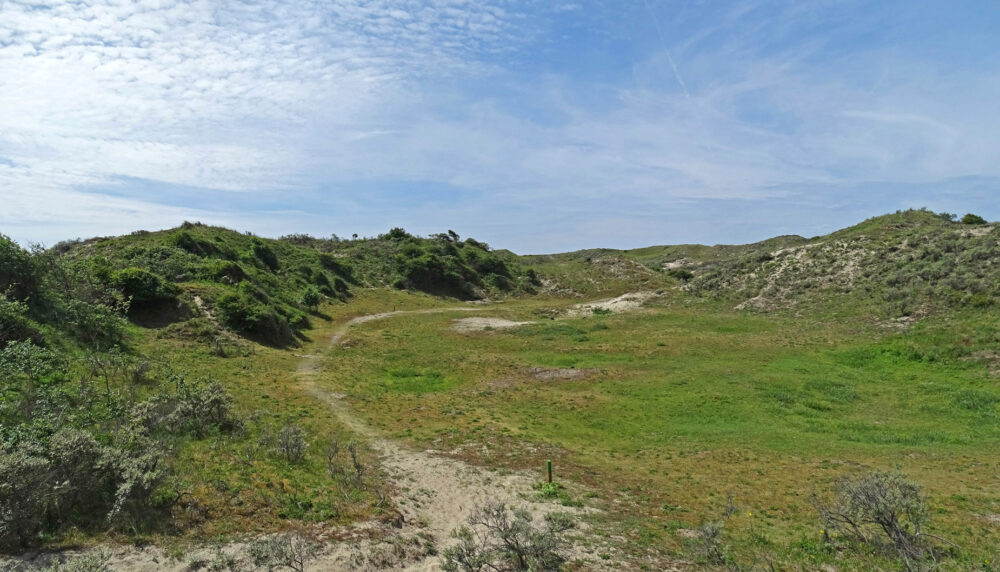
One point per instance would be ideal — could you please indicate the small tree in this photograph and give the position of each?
(311, 297)
(973, 219)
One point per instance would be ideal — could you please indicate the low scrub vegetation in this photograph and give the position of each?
(500, 538)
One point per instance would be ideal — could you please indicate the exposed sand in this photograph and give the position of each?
(545, 373)
(437, 494)
(625, 303)
(479, 324)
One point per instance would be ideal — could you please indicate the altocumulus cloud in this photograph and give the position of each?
(536, 125)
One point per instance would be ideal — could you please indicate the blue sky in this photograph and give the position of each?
(535, 125)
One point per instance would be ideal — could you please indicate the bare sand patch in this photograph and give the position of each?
(625, 303)
(479, 324)
(547, 374)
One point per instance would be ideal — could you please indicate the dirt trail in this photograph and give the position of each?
(438, 492)
(437, 495)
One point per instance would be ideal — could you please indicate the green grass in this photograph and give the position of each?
(679, 406)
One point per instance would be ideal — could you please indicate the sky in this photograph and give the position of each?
(535, 125)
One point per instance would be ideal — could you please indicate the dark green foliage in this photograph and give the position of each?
(17, 271)
(397, 234)
(249, 315)
(311, 297)
(447, 267)
(186, 241)
(143, 287)
(262, 252)
(973, 219)
(331, 263)
(226, 272)
(680, 274)
(14, 322)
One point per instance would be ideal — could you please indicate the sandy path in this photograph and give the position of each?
(439, 492)
(437, 495)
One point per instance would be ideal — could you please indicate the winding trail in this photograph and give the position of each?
(438, 492)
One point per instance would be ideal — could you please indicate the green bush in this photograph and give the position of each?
(225, 271)
(14, 322)
(17, 270)
(311, 298)
(680, 274)
(143, 287)
(25, 496)
(94, 324)
(255, 319)
(973, 219)
(264, 254)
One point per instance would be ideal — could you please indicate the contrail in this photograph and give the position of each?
(673, 64)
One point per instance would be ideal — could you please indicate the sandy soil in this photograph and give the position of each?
(624, 303)
(479, 324)
(439, 492)
(436, 495)
(545, 373)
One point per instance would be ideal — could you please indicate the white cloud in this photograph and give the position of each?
(297, 96)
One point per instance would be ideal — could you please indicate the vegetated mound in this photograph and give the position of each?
(261, 288)
(441, 264)
(588, 273)
(902, 264)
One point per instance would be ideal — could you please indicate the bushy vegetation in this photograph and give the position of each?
(261, 288)
(504, 539)
(880, 510)
(441, 264)
(143, 287)
(81, 447)
(909, 263)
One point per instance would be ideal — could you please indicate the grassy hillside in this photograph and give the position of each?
(911, 263)
(161, 375)
(125, 375)
(265, 289)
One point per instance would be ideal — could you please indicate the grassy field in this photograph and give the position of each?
(663, 412)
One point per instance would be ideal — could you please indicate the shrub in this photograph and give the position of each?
(25, 495)
(680, 274)
(292, 443)
(225, 271)
(283, 551)
(17, 270)
(76, 457)
(94, 323)
(249, 316)
(14, 323)
(504, 539)
(201, 409)
(187, 242)
(311, 297)
(263, 253)
(879, 504)
(143, 286)
(973, 219)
